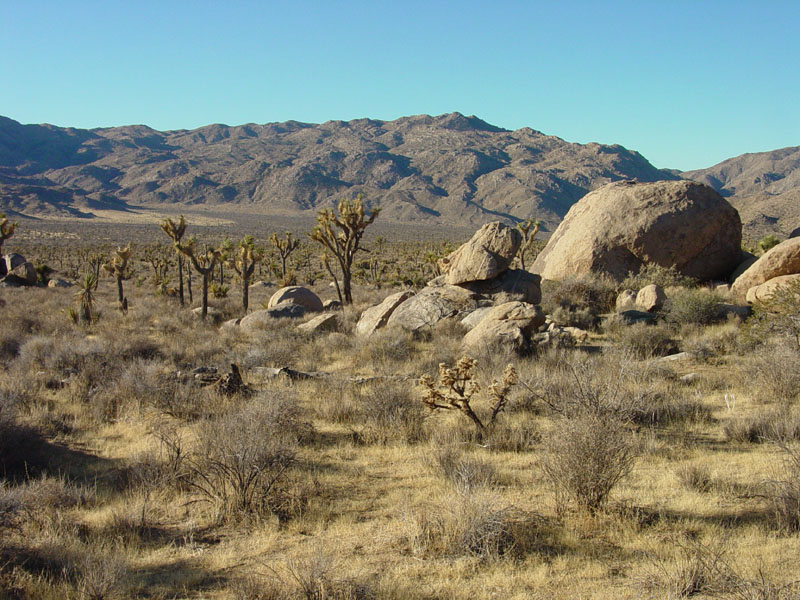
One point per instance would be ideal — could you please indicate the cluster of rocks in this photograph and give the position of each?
(757, 280)
(293, 301)
(497, 304)
(15, 271)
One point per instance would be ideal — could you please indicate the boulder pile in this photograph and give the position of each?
(15, 271)
(764, 276)
(476, 284)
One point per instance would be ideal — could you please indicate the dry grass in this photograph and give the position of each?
(122, 476)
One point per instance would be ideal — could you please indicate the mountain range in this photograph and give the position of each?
(442, 169)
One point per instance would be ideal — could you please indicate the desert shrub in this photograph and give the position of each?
(692, 306)
(315, 577)
(586, 455)
(782, 493)
(519, 434)
(645, 341)
(781, 424)
(768, 242)
(243, 456)
(475, 524)
(652, 273)
(20, 443)
(575, 294)
(695, 478)
(389, 412)
(582, 317)
(773, 372)
(101, 574)
(466, 473)
(668, 407)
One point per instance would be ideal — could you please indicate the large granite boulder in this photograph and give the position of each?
(622, 226)
(376, 317)
(510, 285)
(765, 291)
(431, 305)
(783, 259)
(508, 326)
(321, 323)
(486, 255)
(651, 298)
(296, 294)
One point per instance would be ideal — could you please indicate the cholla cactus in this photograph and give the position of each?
(118, 267)
(7, 229)
(457, 386)
(341, 235)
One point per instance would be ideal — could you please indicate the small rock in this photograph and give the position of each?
(691, 378)
(321, 323)
(59, 283)
(651, 298)
(331, 305)
(626, 300)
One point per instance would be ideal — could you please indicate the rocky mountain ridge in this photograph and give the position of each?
(447, 168)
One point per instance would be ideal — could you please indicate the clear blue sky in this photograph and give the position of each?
(687, 84)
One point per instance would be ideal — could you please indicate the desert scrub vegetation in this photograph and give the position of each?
(605, 473)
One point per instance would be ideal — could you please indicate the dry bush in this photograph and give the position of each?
(316, 577)
(782, 493)
(644, 341)
(773, 374)
(475, 524)
(242, 457)
(101, 575)
(386, 351)
(581, 299)
(690, 568)
(389, 412)
(692, 306)
(782, 424)
(652, 273)
(466, 473)
(586, 455)
(695, 478)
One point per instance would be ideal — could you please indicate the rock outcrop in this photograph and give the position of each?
(377, 316)
(768, 289)
(783, 259)
(622, 226)
(487, 254)
(508, 326)
(296, 295)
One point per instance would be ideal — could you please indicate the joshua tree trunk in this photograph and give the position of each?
(189, 284)
(204, 310)
(245, 293)
(180, 278)
(120, 292)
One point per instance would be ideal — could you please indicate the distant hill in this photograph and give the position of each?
(763, 186)
(445, 169)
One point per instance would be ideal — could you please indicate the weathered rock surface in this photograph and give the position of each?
(508, 326)
(651, 298)
(431, 305)
(765, 291)
(626, 300)
(783, 259)
(622, 226)
(287, 309)
(747, 260)
(321, 324)
(376, 317)
(59, 283)
(473, 318)
(487, 254)
(17, 271)
(511, 285)
(297, 295)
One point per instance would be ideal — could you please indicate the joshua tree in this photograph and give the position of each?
(244, 262)
(528, 229)
(203, 264)
(175, 231)
(341, 235)
(285, 247)
(118, 267)
(225, 250)
(6, 230)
